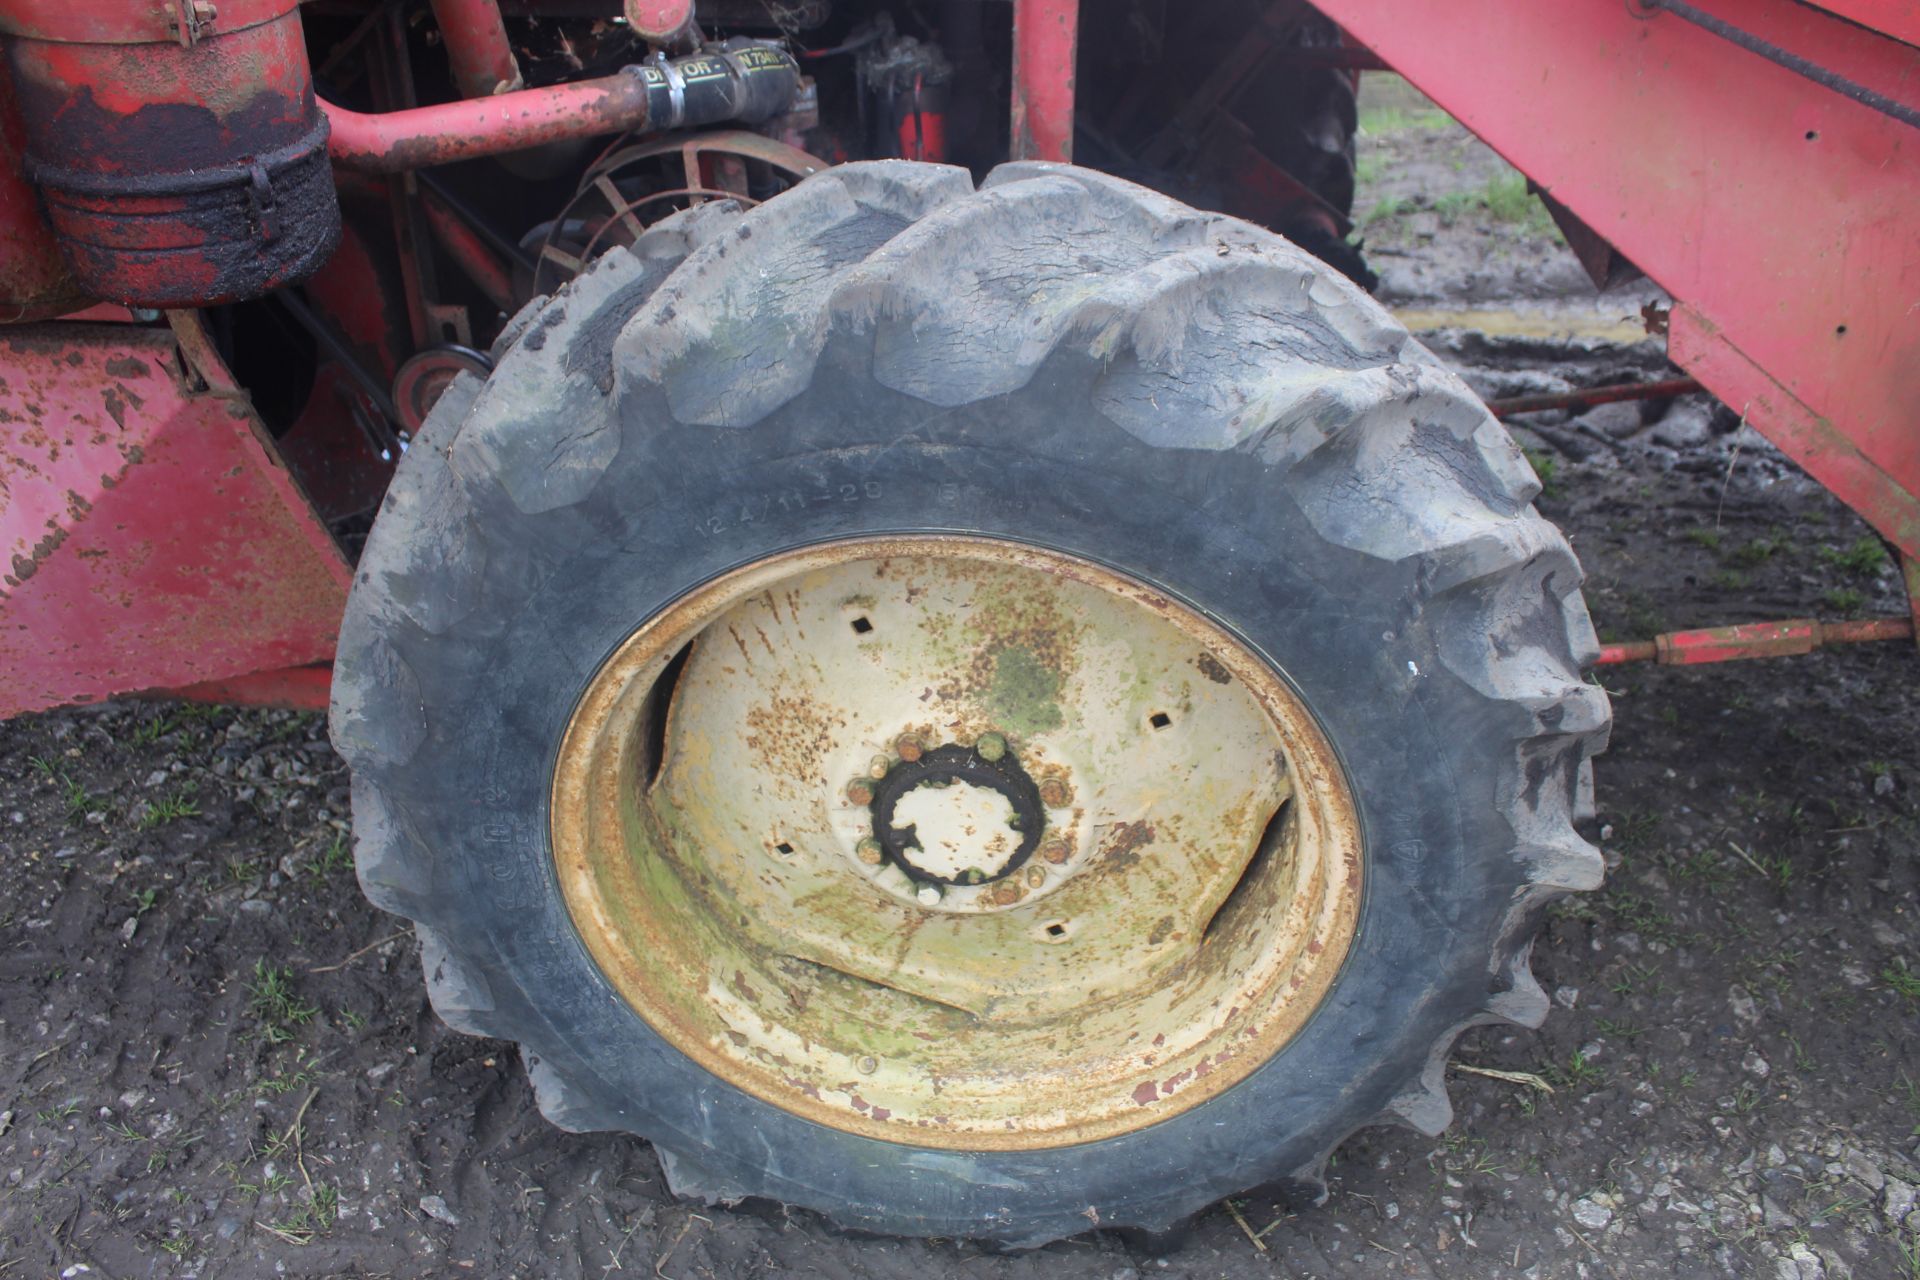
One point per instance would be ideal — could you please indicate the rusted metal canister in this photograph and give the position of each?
(34, 280)
(177, 144)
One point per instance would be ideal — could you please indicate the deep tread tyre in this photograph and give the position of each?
(1060, 358)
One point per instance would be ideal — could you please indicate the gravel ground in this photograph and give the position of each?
(217, 1060)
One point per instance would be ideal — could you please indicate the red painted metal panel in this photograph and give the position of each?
(149, 536)
(295, 688)
(1782, 213)
(1897, 18)
(1046, 40)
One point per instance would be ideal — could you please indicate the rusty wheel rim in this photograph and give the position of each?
(955, 842)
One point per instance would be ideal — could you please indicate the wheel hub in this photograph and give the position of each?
(955, 842)
(955, 817)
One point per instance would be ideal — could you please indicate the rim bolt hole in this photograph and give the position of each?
(1159, 719)
(861, 626)
(783, 848)
(1056, 931)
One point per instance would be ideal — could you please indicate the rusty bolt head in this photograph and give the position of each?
(1036, 876)
(860, 791)
(868, 1065)
(909, 747)
(878, 766)
(1006, 893)
(928, 895)
(870, 851)
(1053, 793)
(990, 746)
(1054, 851)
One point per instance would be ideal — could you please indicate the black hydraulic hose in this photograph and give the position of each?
(745, 80)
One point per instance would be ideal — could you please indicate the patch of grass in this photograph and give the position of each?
(1392, 207)
(335, 857)
(1382, 120)
(1578, 1072)
(143, 902)
(1544, 467)
(148, 732)
(1757, 552)
(1865, 558)
(177, 1245)
(1844, 600)
(1701, 536)
(272, 1001)
(77, 800)
(310, 1220)
(1730, 580)
(1903, 980)
(57, 1114)
(1628, 1031)
(180, 804)
(1634, 829)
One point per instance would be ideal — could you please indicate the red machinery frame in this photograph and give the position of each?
(154, 541)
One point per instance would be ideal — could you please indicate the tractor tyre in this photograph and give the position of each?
(982, 713)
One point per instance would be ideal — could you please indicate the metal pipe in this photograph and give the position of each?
(1753, 640)
(445, 132)
(1590, 396)
(476, 40)
(747, 80)
(1046, 37)
(470, 253)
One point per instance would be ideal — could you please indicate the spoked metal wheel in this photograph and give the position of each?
(634, 185)
(860, 829)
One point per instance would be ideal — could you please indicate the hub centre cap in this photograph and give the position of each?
(955, 817)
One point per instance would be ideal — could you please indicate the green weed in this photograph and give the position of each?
(1864, 558)
(273, 1003)
(180, 804)
(1845, 600)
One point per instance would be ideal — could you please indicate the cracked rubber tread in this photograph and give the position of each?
(1268, 404)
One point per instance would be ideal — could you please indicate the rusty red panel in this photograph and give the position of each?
(1897, 18)
(1779, 212)
(149, 537)
(295, 688)
(1046, 40)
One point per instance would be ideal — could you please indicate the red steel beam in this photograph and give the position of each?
(1778, 212)
(1046, 39)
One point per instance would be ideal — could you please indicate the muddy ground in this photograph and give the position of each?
(217, 1060)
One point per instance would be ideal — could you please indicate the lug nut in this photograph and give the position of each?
(878, 766)
(870, 851)
(860, 791)
(908, 747)
(929, 895)
(1053, 793)
(1036, 876)
(868, 1066)
(1054, 851)
(990, 746)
